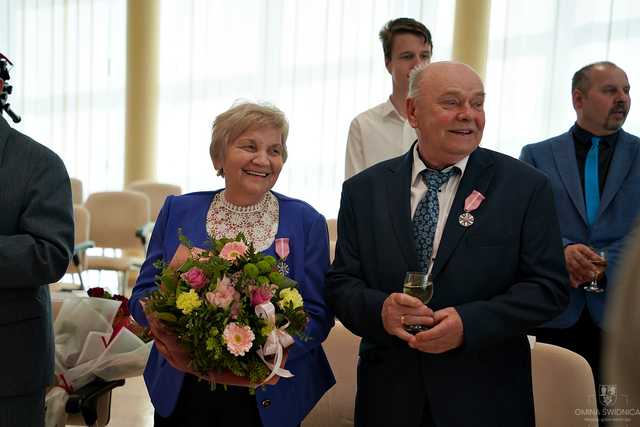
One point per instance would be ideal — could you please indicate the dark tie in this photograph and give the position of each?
(591, 181)
(425, 218)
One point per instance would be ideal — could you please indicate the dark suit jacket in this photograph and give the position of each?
(619, 206)
(504, 275)
(36, 242)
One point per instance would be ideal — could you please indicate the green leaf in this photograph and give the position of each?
(166, 317)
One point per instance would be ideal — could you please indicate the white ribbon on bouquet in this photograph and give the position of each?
(276, 342)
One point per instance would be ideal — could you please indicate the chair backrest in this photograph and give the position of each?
(81, 221)
(115, 218)
(157, 193)
(332, 225)
(76, 191)
(336, 407)
(563, 387)
(332, 250)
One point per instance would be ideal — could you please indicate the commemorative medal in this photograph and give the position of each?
(466, 219)
(471, 203)
(282, 250)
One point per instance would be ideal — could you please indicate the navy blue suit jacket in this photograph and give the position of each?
(36, 243)
(505, 274)
(292, 398)
(619, 206)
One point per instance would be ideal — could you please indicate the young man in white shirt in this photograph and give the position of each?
(382, 132)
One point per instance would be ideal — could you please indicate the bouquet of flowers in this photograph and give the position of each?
(91, 341)
(122, 318)
(229, 308)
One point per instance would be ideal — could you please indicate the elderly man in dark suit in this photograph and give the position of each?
(36, 242)
(484, 226)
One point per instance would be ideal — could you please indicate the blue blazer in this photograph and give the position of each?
(619, 206)
(291, 399)
(502, 274)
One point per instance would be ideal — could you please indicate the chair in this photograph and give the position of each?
(157, 193)
(81, 220)
(336, 407)
(91, 405)
(563, 387)
(76, 191)
(115, 218)
(332, 250)
(332, 225)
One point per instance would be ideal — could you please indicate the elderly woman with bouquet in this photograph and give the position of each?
(288, 236)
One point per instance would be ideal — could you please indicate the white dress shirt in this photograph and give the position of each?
(377, 134)
(445, 195)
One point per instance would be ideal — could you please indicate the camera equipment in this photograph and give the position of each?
(5, 66)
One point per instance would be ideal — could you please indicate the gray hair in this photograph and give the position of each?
(240, 118)
(415, 77)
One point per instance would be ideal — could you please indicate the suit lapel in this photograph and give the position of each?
(564, 155)
(623, 158)
(477, 176)
(399, 206)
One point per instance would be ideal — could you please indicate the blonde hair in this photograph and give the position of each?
(240, 118)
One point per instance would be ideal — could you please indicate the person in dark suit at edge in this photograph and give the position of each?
(484, 226)
(36, 244)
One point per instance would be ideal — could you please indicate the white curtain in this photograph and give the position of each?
(69, 81)
(535, 47)
(319, 61)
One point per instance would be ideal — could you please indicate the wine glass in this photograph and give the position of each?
(600, 266)
(420, 285)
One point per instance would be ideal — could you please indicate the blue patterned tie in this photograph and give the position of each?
(425, 218)
(591, 181)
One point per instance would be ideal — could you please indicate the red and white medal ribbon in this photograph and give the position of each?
(276, 342)
(282, 247)
(282, 250)
(471, 203)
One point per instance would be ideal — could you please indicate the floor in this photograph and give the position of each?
(130, 405)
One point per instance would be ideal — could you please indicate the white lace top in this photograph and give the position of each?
(258, 223)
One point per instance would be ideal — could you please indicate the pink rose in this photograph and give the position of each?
(261, 295)
(233, 250)
(223, 295)
(195, 278)
(235, 306)
(238, 338)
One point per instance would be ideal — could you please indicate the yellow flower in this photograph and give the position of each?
(266, 330)
(188, 301)
(290, 295)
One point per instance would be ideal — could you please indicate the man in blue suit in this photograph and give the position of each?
(496, 274)
(594, 170)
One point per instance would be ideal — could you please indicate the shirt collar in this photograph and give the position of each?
(389, 110)
(419, 166)
(583, 136)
